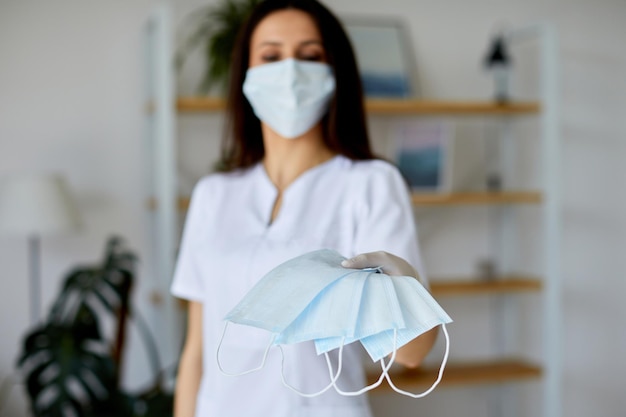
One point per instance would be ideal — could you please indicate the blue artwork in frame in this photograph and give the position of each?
(423, 154)
(384, 56)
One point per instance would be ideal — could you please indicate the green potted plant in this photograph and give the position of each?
(214, 28)
(70, 366)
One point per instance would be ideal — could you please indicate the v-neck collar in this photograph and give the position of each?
(268, 192)
(300, 178)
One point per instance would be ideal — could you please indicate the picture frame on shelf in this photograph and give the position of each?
(384, 55)
(423, 154)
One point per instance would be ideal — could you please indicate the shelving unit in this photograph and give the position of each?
(163, 203)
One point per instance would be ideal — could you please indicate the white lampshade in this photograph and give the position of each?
(36, 205)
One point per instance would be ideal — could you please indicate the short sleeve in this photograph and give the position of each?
(187, 282)
(385, 219)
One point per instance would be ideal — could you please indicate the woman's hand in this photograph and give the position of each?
(413, 353)
(390, 264)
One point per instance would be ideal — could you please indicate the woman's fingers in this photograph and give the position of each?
(390, 264)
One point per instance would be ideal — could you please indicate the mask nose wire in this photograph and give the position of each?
(219, 365)
(439, 376)
(333, 379)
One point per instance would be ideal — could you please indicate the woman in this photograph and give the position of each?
(301, 177)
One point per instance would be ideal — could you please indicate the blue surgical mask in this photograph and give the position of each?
(313, 298)
(290, 96)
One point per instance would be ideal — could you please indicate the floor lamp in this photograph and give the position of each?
(35, 206)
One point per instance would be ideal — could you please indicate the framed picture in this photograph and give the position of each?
(423, 153)
(384, 55)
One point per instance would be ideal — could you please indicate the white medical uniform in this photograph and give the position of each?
(229, 243)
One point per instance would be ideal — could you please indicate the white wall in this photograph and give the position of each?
(70, 101)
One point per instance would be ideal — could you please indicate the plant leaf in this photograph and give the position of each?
(72, 376)
(216, 32)
(110, 283)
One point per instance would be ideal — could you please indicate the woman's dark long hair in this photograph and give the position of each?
(345, 130)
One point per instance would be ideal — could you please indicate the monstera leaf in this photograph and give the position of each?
(106, 286)
(70, 367)
(69, 370)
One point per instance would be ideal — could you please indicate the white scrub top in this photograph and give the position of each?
(229, 243)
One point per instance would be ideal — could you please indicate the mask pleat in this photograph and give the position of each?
(330, 314)
(283, 294)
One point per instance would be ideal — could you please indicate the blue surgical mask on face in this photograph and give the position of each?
(314, 298)
(290, 96)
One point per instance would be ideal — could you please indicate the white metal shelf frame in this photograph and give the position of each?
(545, 35)
(551, 152)
(161, 158)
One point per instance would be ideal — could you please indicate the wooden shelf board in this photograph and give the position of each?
(493, 372)
(200, 104)
(182, 204)
(429, 107)
(392, 106)
(448, 199)
(500, 285)
(451, 288)
(484, 197)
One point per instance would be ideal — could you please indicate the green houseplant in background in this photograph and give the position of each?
(214, 28)
(71, 367)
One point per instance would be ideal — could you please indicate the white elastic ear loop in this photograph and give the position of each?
(380, 379)
(333, 379)
(217, 356)
(434, 385)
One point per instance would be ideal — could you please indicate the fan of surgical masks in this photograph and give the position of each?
(313, 298)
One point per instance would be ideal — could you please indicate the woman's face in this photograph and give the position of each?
(289, 33)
